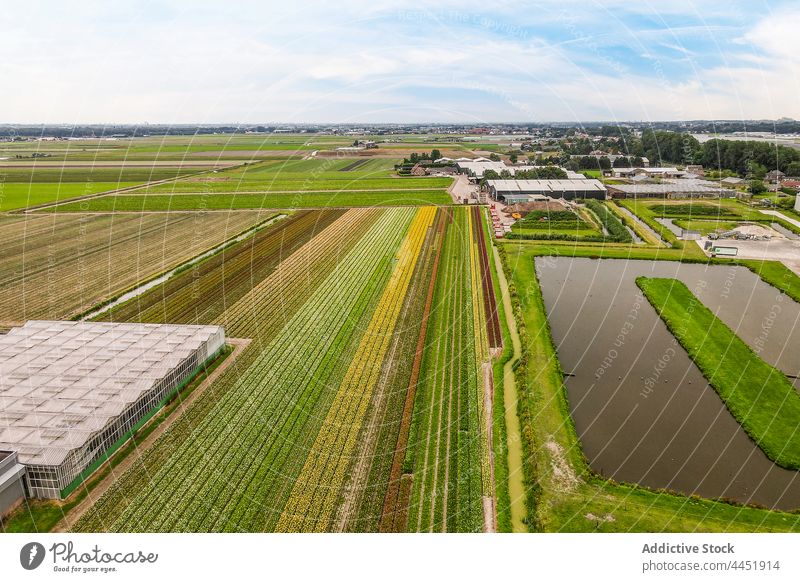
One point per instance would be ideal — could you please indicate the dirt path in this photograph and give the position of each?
(489, 502)
(516, 484)
(77, 512)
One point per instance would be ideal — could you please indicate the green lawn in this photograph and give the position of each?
(706, 226)
(14, 196)
(152, 202)
(758, 395)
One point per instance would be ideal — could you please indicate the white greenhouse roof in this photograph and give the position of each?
(63, 381)
(545, 186)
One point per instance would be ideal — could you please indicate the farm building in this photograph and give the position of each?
(12, 488)
(732, 181)
(518, 191)
(73, 392)
(649, 172)
(674, 189)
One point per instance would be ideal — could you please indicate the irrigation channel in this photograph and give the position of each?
(136, 291)
(643, 411)
(516, 483)
(643, 225)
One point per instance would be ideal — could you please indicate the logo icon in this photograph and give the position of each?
(31, 555)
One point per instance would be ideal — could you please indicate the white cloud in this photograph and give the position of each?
(320, 62)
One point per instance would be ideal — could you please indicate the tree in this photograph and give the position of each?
(757, 187)
(414, 157)
(435, 155)
(755, 170)
(622, 162)
(604, 163)
(513, 158)
(494, 157)
(793, 169)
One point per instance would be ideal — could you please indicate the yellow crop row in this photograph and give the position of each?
(310, 508)
(481, 350)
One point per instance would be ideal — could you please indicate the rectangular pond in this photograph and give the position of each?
(643, 411)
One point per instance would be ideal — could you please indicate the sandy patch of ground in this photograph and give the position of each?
(564, 477)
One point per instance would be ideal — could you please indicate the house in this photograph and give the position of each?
(696, 169)
(418, 170)
(732, 181)
(791, 184)
(775, 176)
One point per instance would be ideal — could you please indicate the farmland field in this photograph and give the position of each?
(178, 202)
(353, 290)
(14, 195)
(56, 266)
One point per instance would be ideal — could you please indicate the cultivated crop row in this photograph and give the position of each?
(385, 432)
(444, 454)
(56, 266)
(231, 470)
(202, 293)
(313, 499)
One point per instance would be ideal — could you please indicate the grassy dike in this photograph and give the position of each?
(563, 493)
(758, 395)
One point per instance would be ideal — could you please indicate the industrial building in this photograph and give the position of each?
(519, 191)
(648, 172)
(73, 392)
(673, 189)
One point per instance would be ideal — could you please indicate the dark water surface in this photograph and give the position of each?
(643, 410)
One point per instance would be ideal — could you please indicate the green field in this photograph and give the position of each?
(554, 222)
(162, 202)
(705, 227)
(341, 182)
(21, 195)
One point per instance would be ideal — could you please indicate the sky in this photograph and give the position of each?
(370, 61)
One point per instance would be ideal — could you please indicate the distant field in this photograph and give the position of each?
(95, 174)
(54, 266)
(14, 196)
(152, 202)
(281, 184)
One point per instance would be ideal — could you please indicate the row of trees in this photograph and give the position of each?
(423, 157)
(671, 147)
(547, 173)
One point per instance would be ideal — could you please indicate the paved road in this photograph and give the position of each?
(461, 189)
(782, 216)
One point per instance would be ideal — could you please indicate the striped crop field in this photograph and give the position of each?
(358, 406)
(57, 266)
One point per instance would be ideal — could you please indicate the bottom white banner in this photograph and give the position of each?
(385, 557)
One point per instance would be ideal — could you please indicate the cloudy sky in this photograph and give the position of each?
(375, 61)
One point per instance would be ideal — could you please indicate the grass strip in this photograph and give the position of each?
(758, 395)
